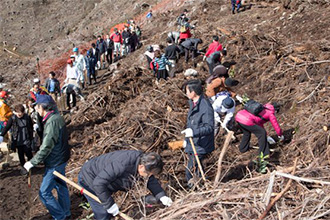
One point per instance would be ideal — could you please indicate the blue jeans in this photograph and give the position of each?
(100, 213)
(59, 209)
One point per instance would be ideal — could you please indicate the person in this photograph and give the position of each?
(102, 46)
(71, 91)
(223, 106)
(200, 127)
(80, 66)
(117, 39)
(213, 47)
(219, 81)
(250, 123)
(117, 171)
(190, 45)
(134, 41)
(5, 111)
(72, 74)
(233, 6)
(149, 54)
(149, 16)
(126, 35)
(174, 36)
(109, 51)
(91, 65)
(95, 52)
(54, 153)
(185, 30)
(180, 20)
(213, 60)
(53, 86)
(159, 66)
(21, 134)
(37, 90)
(172, 54)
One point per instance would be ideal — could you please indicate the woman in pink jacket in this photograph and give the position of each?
(250, 123)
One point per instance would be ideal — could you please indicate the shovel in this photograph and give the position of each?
(82, 190)
(197, 159)
(29, 195)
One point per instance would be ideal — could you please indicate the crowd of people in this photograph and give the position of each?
(106, 174)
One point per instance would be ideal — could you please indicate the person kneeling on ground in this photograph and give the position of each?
(22, 134)
(223, 106)
(251, 123)
(117, 171)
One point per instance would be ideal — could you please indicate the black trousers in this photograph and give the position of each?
(258, 131)
(162, 74)
(74, 99)
(192, 167)
(109, 56)
(186, 54)
(22, 151)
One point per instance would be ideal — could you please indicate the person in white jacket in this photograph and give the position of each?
(80, 64)
(72, 74)
(223, 106)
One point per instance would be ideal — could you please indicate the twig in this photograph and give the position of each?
(270, 205)
(312, 93)
(302, 179)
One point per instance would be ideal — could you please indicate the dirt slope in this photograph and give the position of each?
(282, 53)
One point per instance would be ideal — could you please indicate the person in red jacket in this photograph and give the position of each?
(185, 30)
(250, 123)
(117, 41)
(213, 47)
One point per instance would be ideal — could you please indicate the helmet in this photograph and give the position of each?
(75, 49)
(69, 61)
(3, 94)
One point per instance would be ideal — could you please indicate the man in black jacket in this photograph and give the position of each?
(190, 45)
(172, 54)
(126, 35)
(102, 46)
(53, 86)
(117, 171)
(200, 127)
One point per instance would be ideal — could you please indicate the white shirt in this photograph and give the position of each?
(72, 73)
(220, 109)
(80, 62)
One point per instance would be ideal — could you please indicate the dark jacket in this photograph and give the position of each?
(201, 120)
(191, 43)
(96, 54)
(115, 171)
(171, 52)
(109, 44)
(126, 35)
(101, 45)
(57, 88)
(54, 149)
(21, 130)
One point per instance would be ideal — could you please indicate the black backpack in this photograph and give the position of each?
(254, 107)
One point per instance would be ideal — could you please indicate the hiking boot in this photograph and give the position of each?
(233, 11)
(23, 171)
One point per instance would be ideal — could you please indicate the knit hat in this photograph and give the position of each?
(229, 82)
(220, 71)
(228, 103)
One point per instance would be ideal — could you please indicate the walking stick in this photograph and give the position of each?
(29, 195)
(197, 159)
(82, 190)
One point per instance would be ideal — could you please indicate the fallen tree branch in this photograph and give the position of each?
(286, 188)
(302, 179)
(312, 93)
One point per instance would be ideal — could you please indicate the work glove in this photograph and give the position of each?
(167, 201)
(28, 165)
(281, 138)
(1, 139)
(172, 65)
(188, 132)
(270, 140)
(113, 210)
(184, 144)
(35, 127)
(204, 58)
(106, 52)
(239, 98)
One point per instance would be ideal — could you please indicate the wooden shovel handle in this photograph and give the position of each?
(86, 192)
(197, 159)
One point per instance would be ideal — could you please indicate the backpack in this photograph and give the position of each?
(254, 107)
(183, 29)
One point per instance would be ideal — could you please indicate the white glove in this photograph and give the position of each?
(35, 127)
(113, 210)
(281, 138)
(188, 132)
(239, 98)
(1, 139)
(204, 58)
(167, 201)
(28, 165)
(184, 144)
(172, 65)
(270, 140)
(106, 52)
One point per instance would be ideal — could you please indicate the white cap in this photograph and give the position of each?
(36, 80)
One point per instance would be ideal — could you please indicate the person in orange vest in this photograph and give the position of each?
(5, 111)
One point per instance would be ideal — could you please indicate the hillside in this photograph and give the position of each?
(281, 51)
